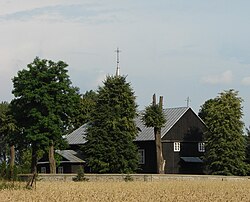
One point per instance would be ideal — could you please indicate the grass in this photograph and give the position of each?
(7, 185)
(170, 190)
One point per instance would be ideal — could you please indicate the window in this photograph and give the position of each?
(43, 169)
(177, 146)
(60, 169)
(201, 147)
(141, 153)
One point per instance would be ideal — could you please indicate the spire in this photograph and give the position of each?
(117, 62)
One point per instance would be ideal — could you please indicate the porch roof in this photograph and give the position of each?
(192, 159)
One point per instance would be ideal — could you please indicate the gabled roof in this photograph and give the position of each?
(77, 136)
(71, 156)
(172, 115)
(145, 134)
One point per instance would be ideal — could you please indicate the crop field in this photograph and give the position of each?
(170, 190)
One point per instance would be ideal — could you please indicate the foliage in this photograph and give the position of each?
(80, 175)
(23, 160)
(43, 104)
(7, 128)
(84, 112)
(5, 172)
(248, 145)
(153, 116)
(225, 146)
(128, 178)
(111, 131)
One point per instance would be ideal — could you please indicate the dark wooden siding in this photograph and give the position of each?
(171, 158)
(189, 132)
(39, 166)
(150, 157)
(67, 167)
(188, 128)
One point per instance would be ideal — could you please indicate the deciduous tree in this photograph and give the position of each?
(7, 129)
(84, 111)
(43, 105)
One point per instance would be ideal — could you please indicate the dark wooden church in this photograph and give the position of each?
(182, 144)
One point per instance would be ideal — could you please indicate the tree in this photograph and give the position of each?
(111, 130)
(248, 146)
(43, 105)
(225, 145)
(154, 117)
(3, 131)
(7, 128)
(84, 112)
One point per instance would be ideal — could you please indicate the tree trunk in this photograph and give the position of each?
(158, 146)
(159, 156)
(52, 162)
(34, 160)
(12, 161)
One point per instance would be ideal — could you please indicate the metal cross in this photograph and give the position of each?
(117, 61)
(188, 101)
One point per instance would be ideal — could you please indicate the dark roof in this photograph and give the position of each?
(71, 156)
(77, 136)
(144, 134)
(192, 159)
(172, 115)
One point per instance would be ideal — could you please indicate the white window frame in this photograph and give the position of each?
(60, 169)
(201, 146)
(141, 154)
(177, 146)
(43, 170)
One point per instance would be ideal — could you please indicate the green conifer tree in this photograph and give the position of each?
(225, 144)
(111, 131)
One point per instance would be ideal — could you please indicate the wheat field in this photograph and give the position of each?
(171, 190)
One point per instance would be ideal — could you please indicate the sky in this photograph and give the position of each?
(174, 48)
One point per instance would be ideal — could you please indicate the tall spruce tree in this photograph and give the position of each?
(225, 145)
(111, 131)
(43, 104)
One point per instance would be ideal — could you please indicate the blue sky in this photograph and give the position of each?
(174, 48)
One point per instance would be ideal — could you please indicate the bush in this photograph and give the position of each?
(5, 172)
(80, 175)
(128, 178)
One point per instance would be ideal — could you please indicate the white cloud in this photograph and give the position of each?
(246, 81)
(223, 78)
